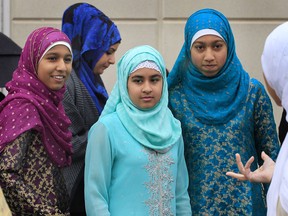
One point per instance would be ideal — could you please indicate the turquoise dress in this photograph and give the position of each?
(210, 152)
(131, 178)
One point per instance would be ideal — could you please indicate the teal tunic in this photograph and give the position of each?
(210, 152)
(122, 177)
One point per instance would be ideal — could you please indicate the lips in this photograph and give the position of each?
(58, 77)
(148, 98)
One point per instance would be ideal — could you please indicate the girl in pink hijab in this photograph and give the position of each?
(34, 135)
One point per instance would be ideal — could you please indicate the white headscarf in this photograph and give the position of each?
(275, 66)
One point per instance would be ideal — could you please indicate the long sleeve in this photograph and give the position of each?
(266, 138)
(98, 165)
(82, 112)
(20, 193)
(183, 206)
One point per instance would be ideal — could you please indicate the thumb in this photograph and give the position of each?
(264, 156)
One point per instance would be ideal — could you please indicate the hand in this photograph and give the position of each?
(262, 174)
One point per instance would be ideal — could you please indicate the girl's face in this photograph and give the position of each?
(145, 87)
(55, 67)
(106, 60)
(209, 54)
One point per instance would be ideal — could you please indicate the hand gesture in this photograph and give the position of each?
(262, 174)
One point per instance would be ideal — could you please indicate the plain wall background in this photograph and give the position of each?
(159, 23)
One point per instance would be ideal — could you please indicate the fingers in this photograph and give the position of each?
(239, 163)
(238, 176)
(264, 156)
(249, 162)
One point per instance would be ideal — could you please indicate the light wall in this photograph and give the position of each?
(160, 23)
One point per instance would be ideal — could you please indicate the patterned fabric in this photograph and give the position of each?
(216, 100)
(160, 190)
(92, 33)
(81, 110)
(146, 64)
(30, 104)
(32, 184)
(123, 177)
(210, 152)
(247, 126)
(275, 63)
(155, 128)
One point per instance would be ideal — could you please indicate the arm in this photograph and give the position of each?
(20, 193)
(265, 131)
(263, 174)
(98, 165)
(82, 112)
(183, 206)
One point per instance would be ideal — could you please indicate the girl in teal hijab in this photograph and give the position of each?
(222, 112)
(135, 157)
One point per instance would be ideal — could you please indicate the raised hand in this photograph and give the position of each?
(262, 174)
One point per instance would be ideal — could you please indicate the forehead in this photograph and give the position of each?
(209, 38)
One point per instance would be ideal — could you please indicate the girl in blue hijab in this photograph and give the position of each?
(92, 34)
(135, 154)
(95, 39)
(222, 111)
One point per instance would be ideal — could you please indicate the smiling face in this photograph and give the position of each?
(145, 87)
(55, 67)
(209, 54)
(106, 60)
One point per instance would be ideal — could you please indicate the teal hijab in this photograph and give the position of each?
(213, 100)
(155, 128)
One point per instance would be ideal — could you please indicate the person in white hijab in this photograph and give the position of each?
(275, 67)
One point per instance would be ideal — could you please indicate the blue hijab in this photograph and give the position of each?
(155, 128)
(91, 33)
(213, 100)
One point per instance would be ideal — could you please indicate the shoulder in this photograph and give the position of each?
(256, 83)
(256, 86)
(110, 122)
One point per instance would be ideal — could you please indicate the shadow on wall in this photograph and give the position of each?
(9, 56)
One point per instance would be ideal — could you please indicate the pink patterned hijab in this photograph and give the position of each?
(30, 104)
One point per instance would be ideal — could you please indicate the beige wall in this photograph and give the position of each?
(160, 23)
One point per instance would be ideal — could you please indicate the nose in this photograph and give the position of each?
(147, 87)
(112, 59)
(61, 66)
(209, 55)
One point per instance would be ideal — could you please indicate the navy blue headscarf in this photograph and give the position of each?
(213, 100)
(91, 33)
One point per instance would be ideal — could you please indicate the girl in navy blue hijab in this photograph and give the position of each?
(92, 34)
(222, 112)
(95, 39)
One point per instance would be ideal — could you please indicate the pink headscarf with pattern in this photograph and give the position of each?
(30, 104)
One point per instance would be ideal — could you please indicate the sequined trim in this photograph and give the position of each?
(159, 185)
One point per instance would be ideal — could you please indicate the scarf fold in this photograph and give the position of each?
(213, 100)
(30, 104)
(274, 61)
(155, 128)
(91, 33)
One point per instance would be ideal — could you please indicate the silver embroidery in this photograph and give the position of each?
(159, 186)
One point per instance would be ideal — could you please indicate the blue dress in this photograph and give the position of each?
(210, 152)
(123, 177)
